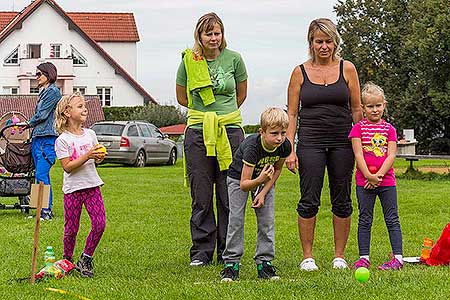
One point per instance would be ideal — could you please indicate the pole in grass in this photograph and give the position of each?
(39, 194)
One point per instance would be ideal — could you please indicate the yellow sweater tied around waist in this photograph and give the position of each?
(215, 135)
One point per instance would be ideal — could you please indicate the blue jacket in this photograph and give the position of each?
(44, 117)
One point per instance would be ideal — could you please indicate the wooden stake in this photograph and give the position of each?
(36, 231)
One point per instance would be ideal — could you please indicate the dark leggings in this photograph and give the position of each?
(205, 180)
(366, 202)
(339, 162)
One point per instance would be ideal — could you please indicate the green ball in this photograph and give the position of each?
(362, 274)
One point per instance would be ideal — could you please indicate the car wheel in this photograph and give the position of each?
(172, 157)
(24, 200)
(140, 159)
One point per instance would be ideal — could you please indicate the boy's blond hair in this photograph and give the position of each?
(61, 120)
(373, 89)
(274, 117)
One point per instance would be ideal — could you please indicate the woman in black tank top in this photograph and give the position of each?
(324, 96)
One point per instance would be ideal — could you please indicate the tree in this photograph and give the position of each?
(403, 45)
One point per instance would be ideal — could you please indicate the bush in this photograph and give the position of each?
(440, 146)
(251, 128)
(159, 115)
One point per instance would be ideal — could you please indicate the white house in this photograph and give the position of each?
(95, 53)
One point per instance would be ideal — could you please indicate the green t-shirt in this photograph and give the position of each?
(226, 71)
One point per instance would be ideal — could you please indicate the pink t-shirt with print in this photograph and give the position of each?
(374, 138)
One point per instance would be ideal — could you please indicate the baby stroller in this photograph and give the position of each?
(16, 162)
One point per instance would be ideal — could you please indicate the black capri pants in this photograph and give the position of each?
(339, 162)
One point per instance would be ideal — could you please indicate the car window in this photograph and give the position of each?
(133, 131)
(108, 129)
(155, 132)
(145, 131)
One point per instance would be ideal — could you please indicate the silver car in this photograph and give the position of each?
(135, 142)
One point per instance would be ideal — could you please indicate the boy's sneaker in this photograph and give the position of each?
(362, 262)
(267, 271)
(393, 264)
(230, 272)
(85, 266)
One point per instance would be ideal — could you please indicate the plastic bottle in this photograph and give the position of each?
(49, 256)
(426, 249)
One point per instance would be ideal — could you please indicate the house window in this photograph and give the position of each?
(34, 90)
(34, 51)
(77, 58)
(105, 95)
(55, 51)
(10, 90)
(13, 58)
(80, 89)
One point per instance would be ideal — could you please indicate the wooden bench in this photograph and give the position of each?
(413, 158)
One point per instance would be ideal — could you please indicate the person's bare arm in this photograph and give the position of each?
(351, 76)
(181, 95)
(293, 101)
(241, 92)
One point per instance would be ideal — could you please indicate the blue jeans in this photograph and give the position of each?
(366, 202)
(44, 156)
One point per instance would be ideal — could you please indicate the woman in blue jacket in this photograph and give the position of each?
(44, 134)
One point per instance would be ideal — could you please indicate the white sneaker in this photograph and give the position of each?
(339, 263)
(196, 263)
(308, 264)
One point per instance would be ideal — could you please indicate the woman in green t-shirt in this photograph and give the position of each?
(212, 84)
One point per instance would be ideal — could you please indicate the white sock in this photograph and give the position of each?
(365, 256)
(399, 257)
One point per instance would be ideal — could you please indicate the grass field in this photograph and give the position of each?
(144, 253)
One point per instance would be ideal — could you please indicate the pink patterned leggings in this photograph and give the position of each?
(73, 204)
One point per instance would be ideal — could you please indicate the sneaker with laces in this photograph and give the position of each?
(393, 264)
(339, 263)
(196, 263)
(362, 262)
(230, 272)
(308, 264)
(46, 215)
(85, 266)
(267, 271)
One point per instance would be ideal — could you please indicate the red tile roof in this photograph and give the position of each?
(26, 105)
(107, 27)
(6, 17)
(100, 26)
(174, 129)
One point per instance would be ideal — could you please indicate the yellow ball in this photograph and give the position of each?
(101, 148)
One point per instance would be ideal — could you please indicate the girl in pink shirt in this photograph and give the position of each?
(374, 143)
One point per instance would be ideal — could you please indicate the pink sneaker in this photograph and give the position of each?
(393, 264)
(362, 262)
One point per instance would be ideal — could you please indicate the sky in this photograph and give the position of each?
(270, 36)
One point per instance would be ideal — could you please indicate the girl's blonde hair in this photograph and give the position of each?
(371, 88)
(61, 120)
(274, 117)
(329, 28)
(206, 23)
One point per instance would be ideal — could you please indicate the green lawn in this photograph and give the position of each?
(144, 253)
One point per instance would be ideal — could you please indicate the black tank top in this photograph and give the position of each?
(325, 118)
